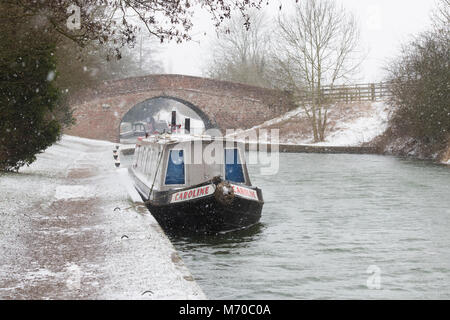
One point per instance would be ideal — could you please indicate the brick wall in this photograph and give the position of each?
(99, 111)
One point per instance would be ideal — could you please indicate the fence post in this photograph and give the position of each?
(356, 92)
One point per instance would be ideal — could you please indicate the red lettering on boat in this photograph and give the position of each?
(245, 192)
(191, 194)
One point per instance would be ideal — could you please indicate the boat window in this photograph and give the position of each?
(154, 161)
(150, 161)
(139, 157)
(136, 159)
(144, 159)
(233, 166)
(147, 163)
(175, 167)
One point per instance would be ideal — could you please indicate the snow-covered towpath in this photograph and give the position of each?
(68, 230)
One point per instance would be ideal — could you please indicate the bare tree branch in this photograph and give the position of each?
(318, 45)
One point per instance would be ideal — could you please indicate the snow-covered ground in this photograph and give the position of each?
(348, 125)
(70, 229)
(360, 130)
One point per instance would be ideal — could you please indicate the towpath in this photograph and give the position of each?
(69, 229)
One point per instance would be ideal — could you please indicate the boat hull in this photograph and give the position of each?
(207, 215)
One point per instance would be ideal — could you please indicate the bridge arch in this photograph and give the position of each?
(98, 111)
(209, 124)
(149, 112)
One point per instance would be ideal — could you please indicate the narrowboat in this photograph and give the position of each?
(138, 129)
(195, 183)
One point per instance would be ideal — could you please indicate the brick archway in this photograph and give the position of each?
(99, 111)
(209, 124)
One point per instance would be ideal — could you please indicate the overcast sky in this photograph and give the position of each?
(384, 25)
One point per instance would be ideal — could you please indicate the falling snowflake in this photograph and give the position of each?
(51, 76)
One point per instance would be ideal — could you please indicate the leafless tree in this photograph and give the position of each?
(118, 23)
(240, 54)
(441, 14)
(317, 45)
(78, 68)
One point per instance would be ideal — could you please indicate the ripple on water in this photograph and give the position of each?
(326, 219)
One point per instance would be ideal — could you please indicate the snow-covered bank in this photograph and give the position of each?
(348, 125)
(398, 143)
(445, 156)
(69, 230)
(354, 132)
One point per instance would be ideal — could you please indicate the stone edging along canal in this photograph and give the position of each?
(72, 227)
(294, 148)
(297, 148)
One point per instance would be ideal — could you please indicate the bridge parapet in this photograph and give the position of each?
(99, 110)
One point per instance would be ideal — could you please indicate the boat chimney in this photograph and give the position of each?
(173, 124)
(187, 125)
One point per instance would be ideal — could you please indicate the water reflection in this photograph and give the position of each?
(325, 220)
(224, 240)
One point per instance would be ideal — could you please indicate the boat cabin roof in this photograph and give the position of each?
(179, 166)
(167, 139)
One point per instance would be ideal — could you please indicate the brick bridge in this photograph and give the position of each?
(98, 111)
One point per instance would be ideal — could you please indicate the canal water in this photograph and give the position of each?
(335, 227)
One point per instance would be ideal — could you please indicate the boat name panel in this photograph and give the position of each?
(193, 193)
(245, 192)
